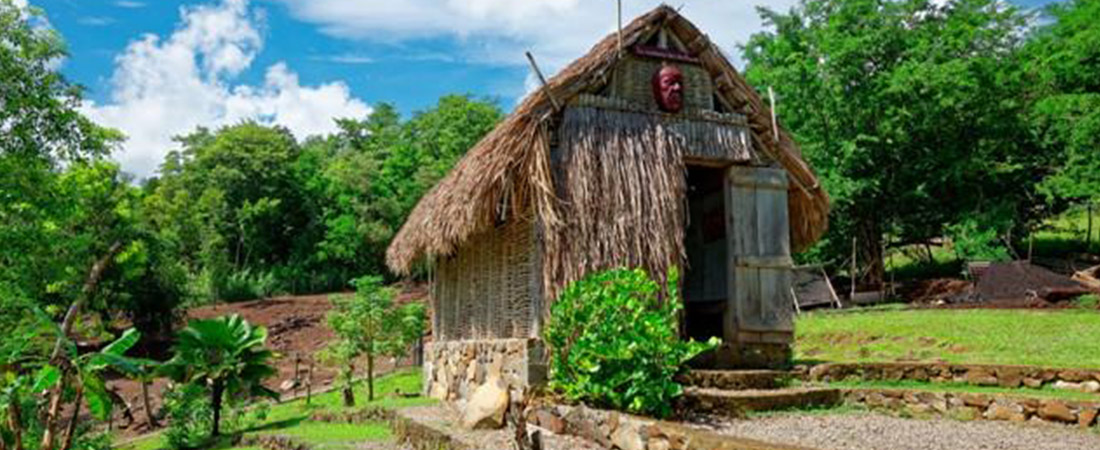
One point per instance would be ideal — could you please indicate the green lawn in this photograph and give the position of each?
(292, 418)
(1062, 338)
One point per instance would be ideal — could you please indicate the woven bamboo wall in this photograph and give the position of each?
(487, 288)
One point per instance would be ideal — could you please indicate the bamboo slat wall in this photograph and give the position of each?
(485, 290)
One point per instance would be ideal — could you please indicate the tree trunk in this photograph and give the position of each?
(90, 283)
(349, 386)
(15, 423)
(370, 375)
(870, 253)
(70, 434)
(216, 405)
(149, 417)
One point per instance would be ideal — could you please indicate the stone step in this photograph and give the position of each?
(737, 403)
(735, 379)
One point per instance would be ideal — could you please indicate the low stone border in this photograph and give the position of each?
(972, 406)
(273, 442)
(734, 379)
(1083, 380)
(361, 416)
(422, 436)
(627, 432)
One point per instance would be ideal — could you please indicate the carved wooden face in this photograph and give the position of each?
(668, 89)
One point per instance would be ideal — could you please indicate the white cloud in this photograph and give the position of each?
(129, 4)
(96, 21)
(346, 58)
(163, 87)
(498, 31)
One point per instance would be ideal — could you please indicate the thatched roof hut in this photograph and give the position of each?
(590, 173)
(510, 168)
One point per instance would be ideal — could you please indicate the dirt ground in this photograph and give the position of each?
(297, 330)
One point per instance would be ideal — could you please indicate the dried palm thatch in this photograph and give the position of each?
(622, 187)
(509, 173)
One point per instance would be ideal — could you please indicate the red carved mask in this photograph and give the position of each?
(668, 89)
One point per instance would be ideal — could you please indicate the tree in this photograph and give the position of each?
(225, 355)
(1064, 70)
(368, 325)
(910, 110)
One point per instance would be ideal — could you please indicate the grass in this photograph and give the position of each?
(1045, 392)
(1061, 338)
(292, 418)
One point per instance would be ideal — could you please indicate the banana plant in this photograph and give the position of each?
(13, 389)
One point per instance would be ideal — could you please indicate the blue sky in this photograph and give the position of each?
(158, 68)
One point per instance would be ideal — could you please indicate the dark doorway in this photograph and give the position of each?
(705, 276)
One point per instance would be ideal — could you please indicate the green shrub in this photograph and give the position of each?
(189, 416)
(1091, 301)
(248, 285)
(614, 342)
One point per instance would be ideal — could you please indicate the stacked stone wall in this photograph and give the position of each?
(454, 369)
(1084, 380)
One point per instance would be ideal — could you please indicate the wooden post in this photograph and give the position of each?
(794, 298)
(620, 11)
(852, 270)
(1088, 237)
(542, 79)
(309, 383)
(775, 123)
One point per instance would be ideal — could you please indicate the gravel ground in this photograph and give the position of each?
(867, 431)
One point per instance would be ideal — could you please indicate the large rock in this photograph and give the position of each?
(487, 406)
(1057, 411)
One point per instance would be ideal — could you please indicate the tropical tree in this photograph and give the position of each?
(227, 356)
(369, 325)
(1064, 70)
(912, 112)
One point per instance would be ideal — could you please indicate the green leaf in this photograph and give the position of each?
(46, 378)
(123, 344)
(99, 401)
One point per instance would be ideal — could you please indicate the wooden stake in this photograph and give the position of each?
(794, 297)
(309, 383)
(775, 123)
(620, 2)
(542, 79)
(853, 270)
(1088, 238)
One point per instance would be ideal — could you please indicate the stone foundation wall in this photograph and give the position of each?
(454, 369)
(973, 406)
(1084, 380)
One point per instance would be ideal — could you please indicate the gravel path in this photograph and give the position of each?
(869, 431)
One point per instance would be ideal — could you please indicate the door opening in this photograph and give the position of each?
(706, 274)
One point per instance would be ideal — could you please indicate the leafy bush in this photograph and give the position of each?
(189, 416)
(248, 285)
(614, 342)
(977, 242)
(1091, 301)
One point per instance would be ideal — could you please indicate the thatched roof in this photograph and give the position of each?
(509, 172)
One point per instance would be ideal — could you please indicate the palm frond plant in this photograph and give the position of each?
(227, 355)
